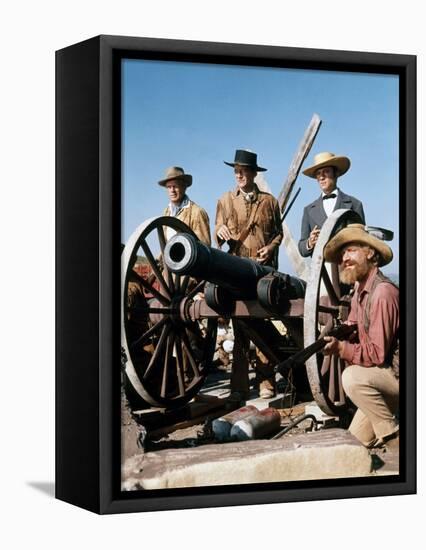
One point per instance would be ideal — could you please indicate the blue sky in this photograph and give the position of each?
(196, 115)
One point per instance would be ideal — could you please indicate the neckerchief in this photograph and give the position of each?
(176, 209)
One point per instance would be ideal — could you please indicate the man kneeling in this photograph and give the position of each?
(372, 378)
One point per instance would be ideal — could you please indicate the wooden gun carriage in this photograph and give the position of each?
(169, 329)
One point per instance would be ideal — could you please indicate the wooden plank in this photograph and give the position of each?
(298, 159)
(161, 422)
(160, 432)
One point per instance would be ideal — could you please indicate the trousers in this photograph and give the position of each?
(240, 364)
(375, 391)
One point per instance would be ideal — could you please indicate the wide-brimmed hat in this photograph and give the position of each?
(356, 233)
(342, 164)
(176, 173)
(244, 157)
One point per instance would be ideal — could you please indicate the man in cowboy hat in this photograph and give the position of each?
(249, 221)
(176, 182)
(371, 379)
(326, 169)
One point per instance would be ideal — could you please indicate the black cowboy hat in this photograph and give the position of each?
(243, 157)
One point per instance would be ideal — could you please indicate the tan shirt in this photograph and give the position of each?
(196, 218)
(234, 211)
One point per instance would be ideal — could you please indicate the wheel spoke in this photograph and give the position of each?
(161, 238)
(193, 328)
(196, 289)
(326, 312)
(149, 288)
(326, 328)
(158, 349)
(179, 365)
(335, 279)
(325, 365)
(147, 335)
(177, 282)
(184, 285)
(169, 275)
(186, 344)
(340, 369)
(155, 268)
(332, 379)
(169, 353)
(334, 299)
(160, 310)
(328, 309)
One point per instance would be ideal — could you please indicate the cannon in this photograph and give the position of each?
(230, 278)
(169, 322)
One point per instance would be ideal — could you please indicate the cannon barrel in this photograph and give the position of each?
(184, 254)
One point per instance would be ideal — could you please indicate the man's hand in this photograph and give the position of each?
(334, 346)
(265, 253)
(313, 237)
(224, 233)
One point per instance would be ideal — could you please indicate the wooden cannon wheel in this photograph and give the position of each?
(166, 358)
(324, 305)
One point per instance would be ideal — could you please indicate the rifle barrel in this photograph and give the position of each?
(342, 332)
(290, 205)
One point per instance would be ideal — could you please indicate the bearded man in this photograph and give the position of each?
(372, 378)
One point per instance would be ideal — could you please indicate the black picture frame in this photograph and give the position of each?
(88, 272)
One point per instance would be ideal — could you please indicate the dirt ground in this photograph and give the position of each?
(136, 440)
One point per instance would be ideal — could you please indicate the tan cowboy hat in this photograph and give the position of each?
(356, 233)
(176, 173)
(342, 164)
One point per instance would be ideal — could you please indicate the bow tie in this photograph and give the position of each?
(330, 196)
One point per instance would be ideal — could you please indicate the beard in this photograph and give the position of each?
(354, 272)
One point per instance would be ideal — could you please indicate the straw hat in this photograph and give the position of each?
(244, 157)
(176, 173)
(342, 164)
(356, 233)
